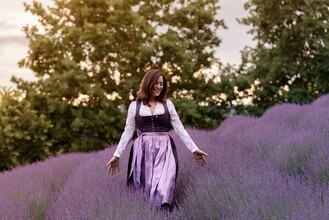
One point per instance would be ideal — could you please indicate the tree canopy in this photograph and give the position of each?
(23, 132)
(90, 56)
(290, 62)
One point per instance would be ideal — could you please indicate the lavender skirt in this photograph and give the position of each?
(153, 166)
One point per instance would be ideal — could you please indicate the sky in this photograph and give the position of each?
(14, 45)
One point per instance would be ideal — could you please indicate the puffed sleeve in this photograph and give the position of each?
(129, 130)
(179, 128)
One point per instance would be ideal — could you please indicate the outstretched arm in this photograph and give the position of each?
(199, 155)
(128, 132)
(113, 164)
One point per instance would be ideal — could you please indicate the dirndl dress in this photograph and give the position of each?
(153, 163)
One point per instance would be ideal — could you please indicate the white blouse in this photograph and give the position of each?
(145, 111)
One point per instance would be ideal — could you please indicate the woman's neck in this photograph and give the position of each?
(152, 101)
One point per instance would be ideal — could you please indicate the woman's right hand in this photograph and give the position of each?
(113, 165)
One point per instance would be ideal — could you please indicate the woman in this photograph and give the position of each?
(153, 163)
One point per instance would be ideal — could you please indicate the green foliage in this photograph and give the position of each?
(24, 134)
(289, 63)
(89, 57)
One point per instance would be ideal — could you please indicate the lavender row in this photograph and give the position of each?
(26, 192)
(272, 167)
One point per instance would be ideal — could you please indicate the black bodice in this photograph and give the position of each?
(153, 123)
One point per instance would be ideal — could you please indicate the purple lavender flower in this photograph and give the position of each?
(272, 167)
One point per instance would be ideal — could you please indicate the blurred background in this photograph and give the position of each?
(69, 69)
(14, 44)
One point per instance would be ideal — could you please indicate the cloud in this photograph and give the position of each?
(18, 40)
(7, 73)
(235, 38)
(6, 25)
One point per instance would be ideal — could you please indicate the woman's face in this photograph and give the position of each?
(157, 88)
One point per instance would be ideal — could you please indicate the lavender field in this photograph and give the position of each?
(272, 167)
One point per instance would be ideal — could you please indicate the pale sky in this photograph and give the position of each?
(14, 45)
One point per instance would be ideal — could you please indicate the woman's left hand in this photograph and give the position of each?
(199, 157)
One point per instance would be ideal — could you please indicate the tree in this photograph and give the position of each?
(23, 132)
(90, 56)
(289, 63)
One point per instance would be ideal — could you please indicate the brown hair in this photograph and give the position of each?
(149, 80)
